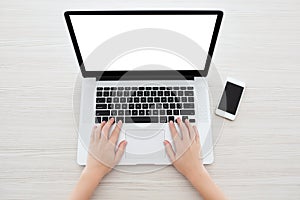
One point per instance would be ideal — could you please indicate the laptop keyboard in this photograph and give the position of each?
(145, 104)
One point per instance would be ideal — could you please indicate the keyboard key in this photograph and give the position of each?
(127, 88)
(134, 88)
(97, 120)
(151, 106)
(101, 106)
(177, 99)
(170, 99)
(192, 120)
(106, 88)
(116, 100)
(124, 106)
(102, 113)
(176, 112)
(150, 99)
(153, 93)
(180, 93)
(163, 99)
(100, 100)
(143, 99)
(146, 93)
(113, 94)
(169, 112)
(117, 106)
(170, 118)
(134, 112)
(99, 88)
(156, 99)
(188, 105)
(119, 93)
(179, 105)
(148, 88)
(163, 119)
(172, 105)
(136, 99)
(183, 99)
(184, 118)
(183, 88)
(189, 93)
(133, 93)
(99, 94)
(141, 112)
(150, 119)
(131, 106)
(127, 112)
(123, 100)
(129, 100)
(126, 93)
(158, 106)
(105, 119)
(108, 100)
(120, 88)
(110, 106)
(160, 93)
(114, 112)
(169, 88)
(155, 88)
(138, 106)
(173, 93)
(119, 119)
(167, 93)
(176, 88)
(187, 112)
(155, 112)
(140, 93)
(165, 106)
(190, 88)
(162, 88)
(141, 88)
(191, 99)
(145, 106)
(120, 112)
(148, 112)
(162, 112)
(113, 88)
(106, 94)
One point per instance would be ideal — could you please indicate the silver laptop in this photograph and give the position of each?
(144, 68)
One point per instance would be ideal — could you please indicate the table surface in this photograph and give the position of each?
(257, 157)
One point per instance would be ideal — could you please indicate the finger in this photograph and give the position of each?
(173, 130)
(120, 151)
(98, 129)
(169, 150)
(93, 134)
(183, 129)
(190, 128)
(106, 128)
(115, 134)
(197, 137)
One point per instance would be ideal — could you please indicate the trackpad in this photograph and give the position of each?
(145, 144)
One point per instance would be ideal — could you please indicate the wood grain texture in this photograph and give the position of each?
(257, 157)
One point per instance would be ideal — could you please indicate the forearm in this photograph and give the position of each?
(86, 185)
(205, 185)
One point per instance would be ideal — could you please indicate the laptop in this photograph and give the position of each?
(145, 68)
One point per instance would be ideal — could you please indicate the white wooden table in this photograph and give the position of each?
(257, 157)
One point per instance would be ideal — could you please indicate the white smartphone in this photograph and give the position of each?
(231, 98)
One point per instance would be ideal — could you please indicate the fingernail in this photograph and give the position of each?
(171, 122)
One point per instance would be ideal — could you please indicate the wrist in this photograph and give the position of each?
(95, 174)
(196, 174)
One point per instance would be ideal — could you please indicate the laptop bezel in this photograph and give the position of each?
(145, 75)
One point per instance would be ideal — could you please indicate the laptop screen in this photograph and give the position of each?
(95, 32)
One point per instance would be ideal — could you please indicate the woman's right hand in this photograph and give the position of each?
(186, 157)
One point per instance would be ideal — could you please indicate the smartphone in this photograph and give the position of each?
(231, 98)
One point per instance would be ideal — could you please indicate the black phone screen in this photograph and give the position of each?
(230, 98)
